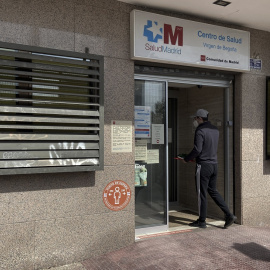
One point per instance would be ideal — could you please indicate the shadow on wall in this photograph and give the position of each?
(34, 182)
(266, 167)
(253, 251)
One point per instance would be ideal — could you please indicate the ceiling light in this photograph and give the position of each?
(222, 3)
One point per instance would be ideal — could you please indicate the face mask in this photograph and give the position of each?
(195, 123)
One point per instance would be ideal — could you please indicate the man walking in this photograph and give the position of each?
(205, 151)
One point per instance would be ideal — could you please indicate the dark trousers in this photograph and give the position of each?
(206, 178)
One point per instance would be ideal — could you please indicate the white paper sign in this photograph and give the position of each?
(140, 150)
(152, 156)
(171, 40)
(157, 134)
(142, 121)
(121, 136)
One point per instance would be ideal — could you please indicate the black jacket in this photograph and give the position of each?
(205, 144)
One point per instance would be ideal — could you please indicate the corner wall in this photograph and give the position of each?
(48, 220)
(254, 168)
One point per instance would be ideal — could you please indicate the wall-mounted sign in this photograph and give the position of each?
(255, 63)
(171, 40)
(121, 138)
(116, 195)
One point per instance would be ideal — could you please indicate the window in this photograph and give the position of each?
(51, 110)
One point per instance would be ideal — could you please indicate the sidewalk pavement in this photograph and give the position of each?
(214, 248)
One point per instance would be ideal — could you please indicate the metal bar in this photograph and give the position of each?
(47, 92)
(16, 118)
(101, 112)
(52, 127)
(46, 111)
(47, 67)
(226, 146)
(38, 101)
(48, 154)
(48, 75)
(60, 145)
(48, 84)
(46, 137)
(50, 162)
(21, 47)
(81, 168)
(48, 58)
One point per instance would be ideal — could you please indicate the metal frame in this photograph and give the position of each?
(267, 120)
(193, 81)
(83, 122)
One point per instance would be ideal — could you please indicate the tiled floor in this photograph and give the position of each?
(180, 218)
(214, 248)
(238, 247)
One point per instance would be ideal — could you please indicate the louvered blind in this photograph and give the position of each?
(51, 112)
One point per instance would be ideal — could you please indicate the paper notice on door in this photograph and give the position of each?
(140, 150)
(157, 134)
(152, 156)
(121, 136)
(142, 121)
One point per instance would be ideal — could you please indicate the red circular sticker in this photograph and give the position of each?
(116, 195)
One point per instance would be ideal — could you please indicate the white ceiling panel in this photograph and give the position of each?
(249, 13)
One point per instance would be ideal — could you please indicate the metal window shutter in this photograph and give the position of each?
(51, 110)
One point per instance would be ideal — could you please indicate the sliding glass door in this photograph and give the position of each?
(150, 154)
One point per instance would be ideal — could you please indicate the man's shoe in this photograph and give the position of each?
(229, 221)
(197, 223)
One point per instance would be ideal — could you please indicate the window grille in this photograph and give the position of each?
(51, 110)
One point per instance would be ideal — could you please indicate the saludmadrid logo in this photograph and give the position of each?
(155, 32)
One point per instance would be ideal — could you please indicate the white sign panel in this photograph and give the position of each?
(171, 40)
(142, 121)
(152, 156)
(121, 136)
(140, 150)
(157, 134)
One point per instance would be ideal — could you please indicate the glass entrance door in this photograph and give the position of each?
(150, 154)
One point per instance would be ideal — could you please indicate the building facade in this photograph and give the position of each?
(59, 217)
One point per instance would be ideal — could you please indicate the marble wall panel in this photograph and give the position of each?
(17, 246)
(256, 211)
(104, 31)
(254, 183)
(63, 241)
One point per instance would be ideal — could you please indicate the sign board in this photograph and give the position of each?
(157, 134)
(116, 195)
(121, 138)
(255, 63)
(171, 40)
(142, 121)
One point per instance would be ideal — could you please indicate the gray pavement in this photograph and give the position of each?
(214, 248)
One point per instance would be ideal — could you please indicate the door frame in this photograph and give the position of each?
(225, 84)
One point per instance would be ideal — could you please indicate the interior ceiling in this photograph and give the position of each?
(248, 13)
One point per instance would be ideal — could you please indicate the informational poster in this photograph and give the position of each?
(152, 156)
(121, 136)
(142, 121)
(140, 150)
(157, 134)
(140, 175)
